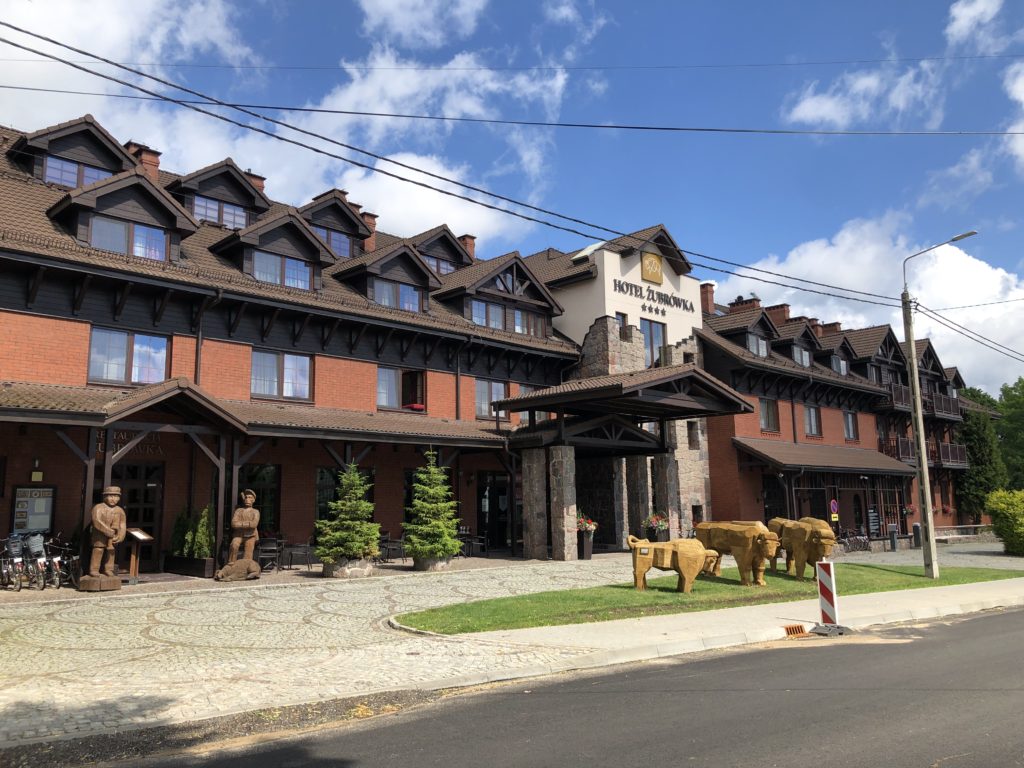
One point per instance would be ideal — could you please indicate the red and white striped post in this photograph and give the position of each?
(828, 599)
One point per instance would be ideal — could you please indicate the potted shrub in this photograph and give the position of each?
(348, 539)
(431, 537)
(585, 528)
(192, 543)
(656, 526)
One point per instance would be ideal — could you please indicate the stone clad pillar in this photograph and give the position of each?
(535, 504)
(665, 481)
(562, 485)
(620, 505)
(638, 494)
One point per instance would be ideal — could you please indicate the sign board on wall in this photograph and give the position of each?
(33, 508)
(651, 268)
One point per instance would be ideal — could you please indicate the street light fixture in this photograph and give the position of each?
(931, 563)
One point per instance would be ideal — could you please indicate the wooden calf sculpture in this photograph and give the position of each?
(687, 557)
(806, 541)
(240, 570)
(750, 544)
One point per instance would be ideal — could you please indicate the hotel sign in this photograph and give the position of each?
(651, 296)
(650, 268)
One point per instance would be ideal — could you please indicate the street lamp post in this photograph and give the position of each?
(931, 563)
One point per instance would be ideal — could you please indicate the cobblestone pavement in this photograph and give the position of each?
(79, 667)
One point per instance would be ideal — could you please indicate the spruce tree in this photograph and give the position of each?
(349, 533)
(985, 469)
(434, 528)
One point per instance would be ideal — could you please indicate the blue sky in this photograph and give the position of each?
(841, 210)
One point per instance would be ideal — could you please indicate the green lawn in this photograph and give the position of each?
(621, 601)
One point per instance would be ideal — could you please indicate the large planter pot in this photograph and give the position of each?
(348, 569)
(431, 563)
(653, 534)
(584, 545)
(202, 567)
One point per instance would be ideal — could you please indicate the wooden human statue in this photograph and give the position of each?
(108, 530)
(244, 524)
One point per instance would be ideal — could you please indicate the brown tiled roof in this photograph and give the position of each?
(552, 265)
(227, 164)
(25, 227)
(734, 321)
(99, 406)
(793, 329)
(785, 364)
(866, 341)
(479, 270)
(792, 456)
(87, 120)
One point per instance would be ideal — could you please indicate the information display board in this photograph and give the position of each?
(33, 508)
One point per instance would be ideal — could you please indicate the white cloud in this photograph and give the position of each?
(406, 209)
(959, 184)
(855, 98)
(421, 23)
(867, 255)
(971, 25)
(584, 28)
(1013, 84)
(561, 12)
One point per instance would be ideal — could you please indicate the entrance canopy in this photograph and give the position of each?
(829, 458)
(654, 394)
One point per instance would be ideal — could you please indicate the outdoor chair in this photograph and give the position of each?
(268, 554)
(393, 548)
(304, 551)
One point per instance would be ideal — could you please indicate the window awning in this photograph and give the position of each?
(833, 458)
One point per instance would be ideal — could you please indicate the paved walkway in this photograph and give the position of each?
(79, 667)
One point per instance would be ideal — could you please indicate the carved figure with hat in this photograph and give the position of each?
(108, 530)
(244, 527)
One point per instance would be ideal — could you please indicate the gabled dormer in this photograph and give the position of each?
(394, 276)
(337, 223)
(222, 193)
(933, 374)
(746, 326)
(282, 250)
(837, 355)
(501, 293)
(657, 242)
(442, 251)
(798, 342)
(126, 214)
(73, 154)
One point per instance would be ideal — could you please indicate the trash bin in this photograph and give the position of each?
(893, 531)
(917, 535)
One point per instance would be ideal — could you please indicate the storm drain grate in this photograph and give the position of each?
(795, 630)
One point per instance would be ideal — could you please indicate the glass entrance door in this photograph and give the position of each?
(142, 493)
(492, 504)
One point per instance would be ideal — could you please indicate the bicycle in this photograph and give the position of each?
(65, 567)
(36, 561)
(13, 563)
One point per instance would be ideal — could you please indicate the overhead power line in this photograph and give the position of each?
(606, 126)
(547, 68)
(974, 335)
(169, 99)
(982, 304)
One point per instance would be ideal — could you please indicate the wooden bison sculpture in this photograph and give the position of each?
(806, 541)
(750, 544)
(687, 557)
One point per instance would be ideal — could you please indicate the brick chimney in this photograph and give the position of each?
(779, 314)
(469, 243)
(741, 304)
(149, 160)
(828, 329)
(707, 298)
(370, 219)
(815, 326)
(255, 179)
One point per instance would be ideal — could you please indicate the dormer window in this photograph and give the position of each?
(487, 314)
(68, 173)
(440, 266)
(397, 295)
(802, 357)
(281, 270)
(337, 241)
(128, 237)
(757, 345)
(230, 215)
(840, 366)
(530, 323)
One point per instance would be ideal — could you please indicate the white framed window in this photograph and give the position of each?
(840, 365)
(279, 374)
(802, 357)
(850, 429)
(812, 420)
(756, 345)
(769, 414)
(400, 389)
(486, 393)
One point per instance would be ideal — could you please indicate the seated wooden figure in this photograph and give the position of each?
(687, 557)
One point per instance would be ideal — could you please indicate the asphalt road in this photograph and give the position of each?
(944, 694)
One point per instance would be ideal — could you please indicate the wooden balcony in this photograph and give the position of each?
(901, 448)
(947, 455)
(942, 407)
(897, 398)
